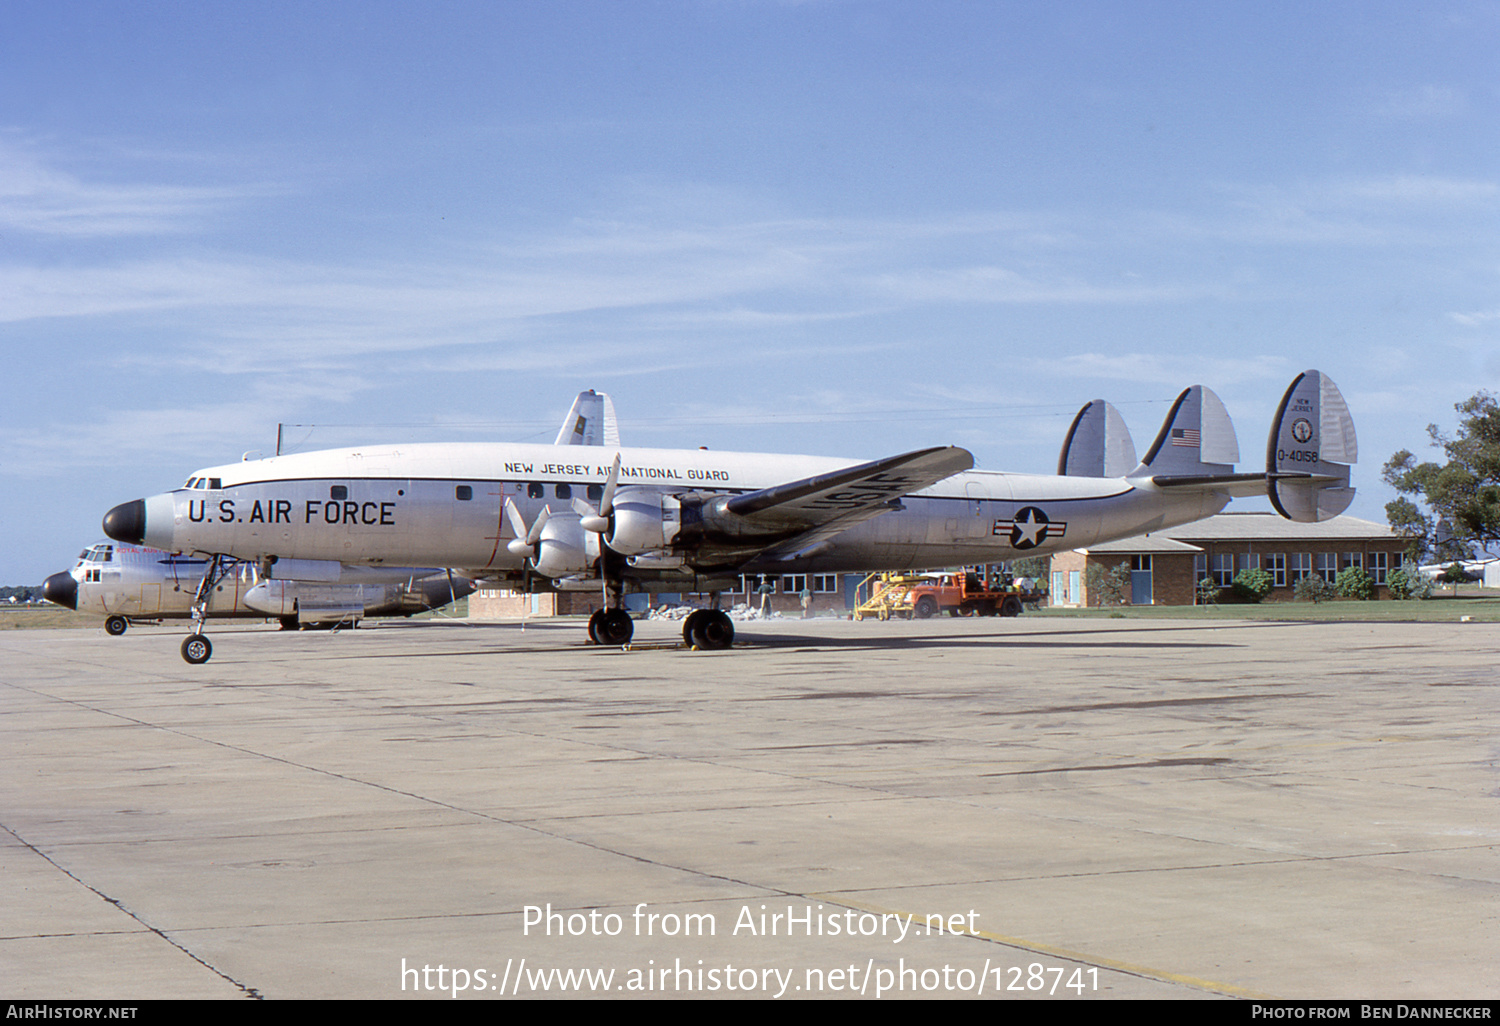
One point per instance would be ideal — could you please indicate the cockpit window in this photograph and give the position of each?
(100, 554)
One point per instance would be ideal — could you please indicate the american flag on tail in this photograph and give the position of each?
(1185, 436)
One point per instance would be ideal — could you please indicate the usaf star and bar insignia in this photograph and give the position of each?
(1029, 528)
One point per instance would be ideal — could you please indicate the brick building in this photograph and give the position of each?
(1166, 565)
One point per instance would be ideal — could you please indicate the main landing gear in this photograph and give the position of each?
(708, 629)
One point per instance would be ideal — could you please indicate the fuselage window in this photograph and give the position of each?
(463, 493)
(564, 491)
(216, 483)
(339, 492)
(534, 490)
(596, 492)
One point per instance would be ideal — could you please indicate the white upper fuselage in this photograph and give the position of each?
(442, 504)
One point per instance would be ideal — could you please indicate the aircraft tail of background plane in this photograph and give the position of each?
(1098, 444)
(1196, 440)
(1308, 454)
(591, 421)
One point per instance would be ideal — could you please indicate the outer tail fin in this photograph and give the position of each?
(1196, 440)
(591, 421)
(1308, 454)
(1098, 444)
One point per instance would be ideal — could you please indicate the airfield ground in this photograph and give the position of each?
(1093, 807)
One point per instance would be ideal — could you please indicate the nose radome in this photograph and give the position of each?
(127, 522)
(61, 589)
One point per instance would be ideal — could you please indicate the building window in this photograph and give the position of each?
(1224, 569)
(1378, 566)
(792, 584)
(1200, 567)
(1276, 564)
(1301, 567)
(1352, 559)
(1328, 566)
(826, 584)
(1248, 561)
(1140, 563)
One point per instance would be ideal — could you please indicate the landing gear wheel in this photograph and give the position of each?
(288, 623)
(196, 649)
(594, 619)
(690, 626)
(926, 607)
(615, 627)
(115, 626)
(1011, 606)
(714, 631)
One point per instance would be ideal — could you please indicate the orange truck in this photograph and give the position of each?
(970, 593)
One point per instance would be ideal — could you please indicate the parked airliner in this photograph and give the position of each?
(694, 521)
(129, 583)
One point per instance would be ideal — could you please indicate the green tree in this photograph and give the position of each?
(1108, 587)
(1446, 510)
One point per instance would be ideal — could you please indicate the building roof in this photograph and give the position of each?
(1273, 527)
(1142, 544)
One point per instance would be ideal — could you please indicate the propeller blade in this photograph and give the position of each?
(517, 546)
(535, 534)
(589, 517)
(607, 505)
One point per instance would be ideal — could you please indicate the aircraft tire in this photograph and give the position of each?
(690, 626)
(115, 626)
(1011, 606)
(615, 628)
(196, 649)
(288, 623)
(925, 608)
(714, 631)
(594, 619)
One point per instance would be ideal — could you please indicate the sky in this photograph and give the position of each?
(843, 227)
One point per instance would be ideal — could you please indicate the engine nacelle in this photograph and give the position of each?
(565, 548)
(644, 520)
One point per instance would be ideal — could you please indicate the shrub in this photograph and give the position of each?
(1353, 583)
(1313, 589)
(1252, 585)
(1208, 592)
(1408, 584)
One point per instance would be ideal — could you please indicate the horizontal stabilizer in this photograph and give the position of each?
(591, 421)
(1311, 445)
(1196, 440)
(1098, 444)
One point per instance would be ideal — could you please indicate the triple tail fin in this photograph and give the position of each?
(1308, 454)
(1098, 444)
(1197, 440)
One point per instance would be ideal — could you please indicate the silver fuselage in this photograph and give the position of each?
(442, 504)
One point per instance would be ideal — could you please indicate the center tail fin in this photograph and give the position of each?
(1196, 440)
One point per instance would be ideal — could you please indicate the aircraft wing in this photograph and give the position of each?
(842, 498)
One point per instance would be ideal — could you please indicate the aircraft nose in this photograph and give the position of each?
(127, 522)
(61, 589)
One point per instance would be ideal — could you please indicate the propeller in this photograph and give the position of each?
(524, 543)
(598, 521)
